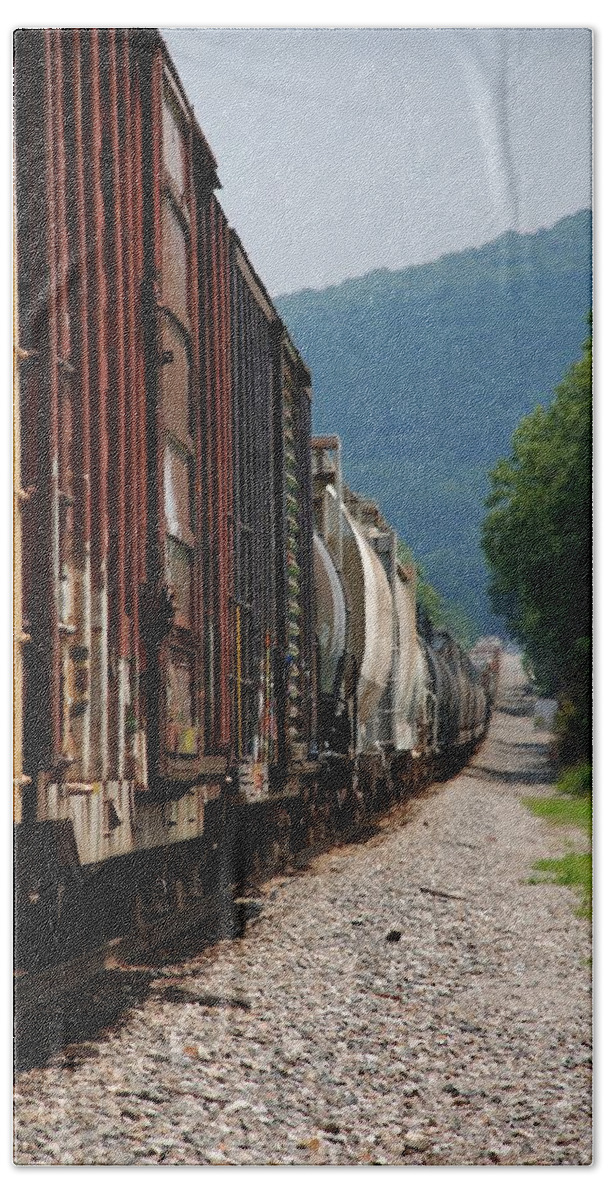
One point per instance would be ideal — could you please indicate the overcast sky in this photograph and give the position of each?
(344, 150)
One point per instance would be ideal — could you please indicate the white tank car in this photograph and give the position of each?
(411, 682)
(330, 617)
(370, 625)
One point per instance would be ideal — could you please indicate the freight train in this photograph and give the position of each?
(218, 665)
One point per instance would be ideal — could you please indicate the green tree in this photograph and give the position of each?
(537, 541)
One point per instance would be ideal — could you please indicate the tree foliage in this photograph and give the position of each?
(537, 541)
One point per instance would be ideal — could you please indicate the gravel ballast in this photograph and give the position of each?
(411, 999)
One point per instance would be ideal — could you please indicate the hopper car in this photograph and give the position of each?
(219, 668)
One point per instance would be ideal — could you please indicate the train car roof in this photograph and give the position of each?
(266, 303)
(154, 39)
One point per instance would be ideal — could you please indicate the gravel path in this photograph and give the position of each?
(464, 1037)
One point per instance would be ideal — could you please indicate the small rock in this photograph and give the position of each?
(330, 1127)
(203, 1054)
(236, 1106)
(393, 935)
(415, 1141)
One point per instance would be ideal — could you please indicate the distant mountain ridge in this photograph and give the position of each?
(425, 372)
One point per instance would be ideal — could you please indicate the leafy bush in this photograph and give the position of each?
(576, 781)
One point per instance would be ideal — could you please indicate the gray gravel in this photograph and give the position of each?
(463, 1038)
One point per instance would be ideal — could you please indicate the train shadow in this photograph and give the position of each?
(60, 1026)
(64, 1026)
(538, 770)
(516, 702)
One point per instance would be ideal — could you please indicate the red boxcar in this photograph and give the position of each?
(126, 407)
(167, 544)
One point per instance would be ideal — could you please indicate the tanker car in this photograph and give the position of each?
(218, 664)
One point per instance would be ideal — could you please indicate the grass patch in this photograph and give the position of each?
(570, 805)
(573, 870)
(571, 802)
(563, 810)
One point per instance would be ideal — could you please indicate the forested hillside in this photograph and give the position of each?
(424, 373)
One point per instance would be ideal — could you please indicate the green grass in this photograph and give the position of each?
(571, 802)
(573, 870)
(569, 805)
(563, 810)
